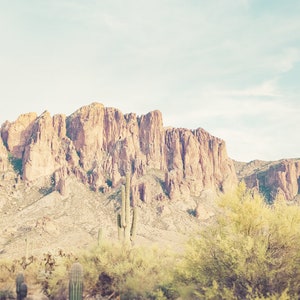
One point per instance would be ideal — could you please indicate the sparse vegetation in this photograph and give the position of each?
(49, 188)
(108, 182)
(6, 295)
(16, 163)
(250, 251)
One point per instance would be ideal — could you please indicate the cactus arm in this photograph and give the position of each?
(120, 228)
(133, 225)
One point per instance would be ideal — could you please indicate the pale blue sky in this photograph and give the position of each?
(231, 67)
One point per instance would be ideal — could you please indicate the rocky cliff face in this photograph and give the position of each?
(100, 144)
(3, 158)
(274, 178)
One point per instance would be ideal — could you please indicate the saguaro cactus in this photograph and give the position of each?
(21, 287)
(23, 291)
(126, 231)
(76, 282)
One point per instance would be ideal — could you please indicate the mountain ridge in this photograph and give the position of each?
(100, 144)
(272, 178)
(61, 178)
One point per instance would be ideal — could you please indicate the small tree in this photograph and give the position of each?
(252, 250)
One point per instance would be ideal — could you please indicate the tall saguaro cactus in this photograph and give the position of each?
(76, 282)
(126, 231)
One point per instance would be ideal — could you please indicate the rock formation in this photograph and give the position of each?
(281, 177)
(3, 158)
(16, 135)
(100, 144)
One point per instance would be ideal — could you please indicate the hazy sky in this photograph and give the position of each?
(231, 67)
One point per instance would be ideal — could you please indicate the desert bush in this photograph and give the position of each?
(250, 252)
(118, 269)
(109, 269)
(9, 269)
(134, 271)
(6, 295)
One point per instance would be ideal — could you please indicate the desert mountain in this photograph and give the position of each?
(98, 145)
(272, 178)
(61, 178)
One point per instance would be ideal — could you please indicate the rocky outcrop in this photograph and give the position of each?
(198, 160)
(16, 135)
(100, 144)
(282, 178)
(38, 142)
(46, 150)
(60, 178)
(3, 158)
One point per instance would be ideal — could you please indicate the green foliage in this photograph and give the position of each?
(39, 271)
(76, 282)
(251, 251)
(131, 272)
(135, 272)
(16, 163)
(108, 182)
(49, 188)
(6, 295)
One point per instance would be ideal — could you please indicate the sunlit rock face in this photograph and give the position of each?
(99, 145)
(281, 178)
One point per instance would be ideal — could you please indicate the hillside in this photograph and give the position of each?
(61, 178)
(272, 178)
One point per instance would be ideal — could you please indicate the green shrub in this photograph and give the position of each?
(6, 295)
(135, 272)
(131, 272)
(251, 251)
(16, 163)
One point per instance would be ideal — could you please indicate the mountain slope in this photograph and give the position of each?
(61, 178)
(272, 178)
(98, 145)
